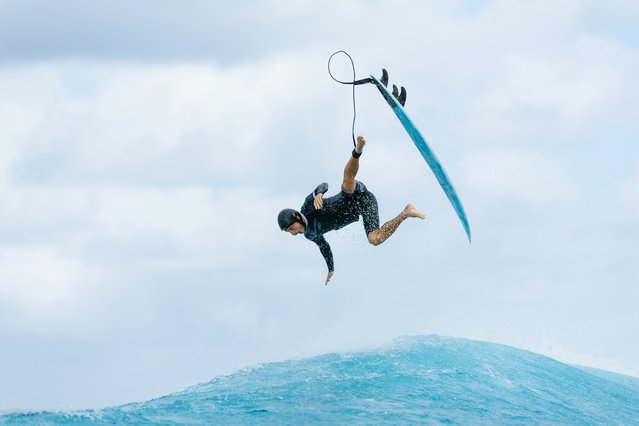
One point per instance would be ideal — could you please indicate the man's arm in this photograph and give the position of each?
(314, 200)
(318, 195)
(321, 189)
(325, 249)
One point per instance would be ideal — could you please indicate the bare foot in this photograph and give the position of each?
(411, 211)
(360, 144)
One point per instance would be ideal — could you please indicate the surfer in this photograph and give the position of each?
(318, 215)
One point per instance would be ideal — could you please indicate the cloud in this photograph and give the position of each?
(117, 30)
(166, 125)
(143, 124)
(41, 289)
(150, 31)
(521, 175)
(628, 193)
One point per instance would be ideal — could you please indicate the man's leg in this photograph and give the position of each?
(350, 171)
(380, 235)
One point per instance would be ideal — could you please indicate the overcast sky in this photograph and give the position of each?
(146, 148)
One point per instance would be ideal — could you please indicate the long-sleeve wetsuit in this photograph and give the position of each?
(337, 212)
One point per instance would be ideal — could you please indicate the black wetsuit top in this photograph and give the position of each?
(337, 212)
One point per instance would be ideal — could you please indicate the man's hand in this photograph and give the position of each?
(319, 201)
(328, 277)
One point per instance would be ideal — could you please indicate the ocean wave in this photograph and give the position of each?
(419, 379)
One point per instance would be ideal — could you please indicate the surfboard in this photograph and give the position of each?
(427, 153)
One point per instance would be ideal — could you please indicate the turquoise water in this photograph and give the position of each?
(423, 379)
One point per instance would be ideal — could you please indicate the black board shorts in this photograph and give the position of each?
(364, 203)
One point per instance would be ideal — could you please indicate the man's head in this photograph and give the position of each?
(291, 221)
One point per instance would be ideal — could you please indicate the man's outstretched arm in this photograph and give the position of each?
(325, 249)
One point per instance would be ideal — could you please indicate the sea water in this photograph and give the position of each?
(415, 380)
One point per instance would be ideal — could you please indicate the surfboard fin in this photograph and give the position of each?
(402, 96)
(384, 79)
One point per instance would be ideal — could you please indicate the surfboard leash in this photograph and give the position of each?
(353, 83)
(400, 96)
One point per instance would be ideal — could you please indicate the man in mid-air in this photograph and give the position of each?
(318, 215)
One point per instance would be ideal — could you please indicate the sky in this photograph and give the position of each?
(147, 147)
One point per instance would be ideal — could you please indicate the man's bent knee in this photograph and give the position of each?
(373, 238)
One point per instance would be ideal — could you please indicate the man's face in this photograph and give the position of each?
(296, 228)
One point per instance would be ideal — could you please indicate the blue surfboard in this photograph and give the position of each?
(427, 153)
